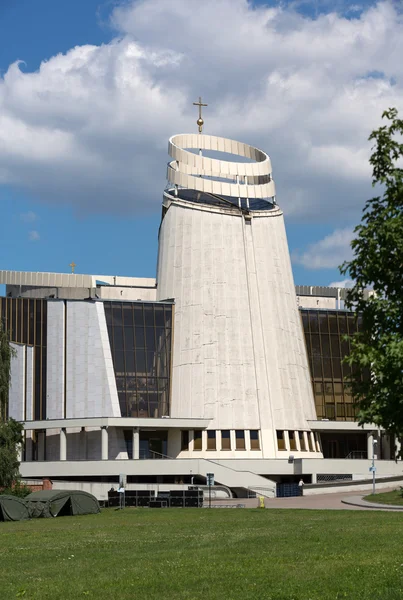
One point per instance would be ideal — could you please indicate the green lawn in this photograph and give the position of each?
(394, 497)
(218, 554)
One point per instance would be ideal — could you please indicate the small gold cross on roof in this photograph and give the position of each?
(73, 266)
(200, 121)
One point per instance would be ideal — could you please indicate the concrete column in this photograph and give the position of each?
(104, 443)
(314, 478)
(370, 445)
(136, 443)
(63, 444)
(287, 440)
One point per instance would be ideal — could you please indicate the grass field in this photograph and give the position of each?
(192, 554)
(394, 497)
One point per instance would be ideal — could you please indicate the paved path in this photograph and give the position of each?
(326, 502)
(359, 501)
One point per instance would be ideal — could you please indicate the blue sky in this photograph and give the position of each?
(54, 212)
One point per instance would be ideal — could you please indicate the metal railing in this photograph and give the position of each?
(357, 454)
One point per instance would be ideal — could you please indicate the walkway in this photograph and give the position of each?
(335, 501)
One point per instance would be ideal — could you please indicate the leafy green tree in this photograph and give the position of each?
(377, 264)
(6, 354)
(10, 439)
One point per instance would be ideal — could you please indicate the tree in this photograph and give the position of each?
(6, 354)
(377, 264)
(10, 439)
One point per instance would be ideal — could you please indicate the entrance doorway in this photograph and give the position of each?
(153, 444)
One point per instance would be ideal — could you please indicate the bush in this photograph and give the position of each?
(18, 489)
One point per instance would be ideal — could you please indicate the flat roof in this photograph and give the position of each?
(72, 280)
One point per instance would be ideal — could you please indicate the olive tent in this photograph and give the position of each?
(13, 508)
(58, 503)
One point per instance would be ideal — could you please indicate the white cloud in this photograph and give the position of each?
(90, 127)
(34, 236)
(328, 253)
(28, 217)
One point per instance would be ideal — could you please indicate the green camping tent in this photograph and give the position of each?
(13, 508)
(57, 503)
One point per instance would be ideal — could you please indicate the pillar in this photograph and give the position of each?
(19, 453)
(63, 444)
(136, 443)
(370, 445)
(104, 443)
(314, 478)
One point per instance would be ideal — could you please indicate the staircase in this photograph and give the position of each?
(236, 479)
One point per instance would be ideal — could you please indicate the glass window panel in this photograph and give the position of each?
(254, 439)
(168, 316)
(127, 315)
(225, 439)
(138, 315)
(340, 410)
(148, 315)
(211, 440)
(152, 384)
(313, 322)
(240, 440)
(337, 368)
(140, 360)
(332, 317)
(352, 325)
(129, 339)
(317, 367)
(130, 364)
(185, 440)
(108, 314)
(325, 345)
(308, 345)
(121, 384)
(338, 389)
(150, 338)
(117, 314)
(159, 316)
(153, 405)
(323, 322)
(293, 443)
(345, 348)
(305, 320)
(143, 405)
(122, 403)
(131, 384)
(302, 441)
(329, 392)
(24, 338)
(119, 361)
(31, 322)
(38, 319)
(330, 411)
(151, 362)
(327, 368)
(118, 338)
(280, 440)
(342, 324)
(335, 345)
(197, 440)
(140, 337)
(315, 341)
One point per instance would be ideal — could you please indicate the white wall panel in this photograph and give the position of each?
(55, 360)
(16, 408)
(29, 395)
(90, 379)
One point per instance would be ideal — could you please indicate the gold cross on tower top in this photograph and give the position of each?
(73, 266)
(200, 121)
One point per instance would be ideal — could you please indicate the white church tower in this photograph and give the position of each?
(239, 355)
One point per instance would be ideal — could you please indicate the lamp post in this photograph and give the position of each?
(374, 443)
